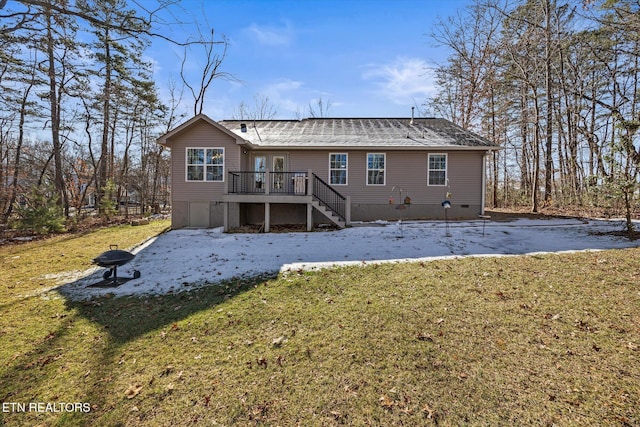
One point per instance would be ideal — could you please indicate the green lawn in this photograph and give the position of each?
(531, 340)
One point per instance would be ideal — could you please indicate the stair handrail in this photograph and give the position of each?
(329, 197)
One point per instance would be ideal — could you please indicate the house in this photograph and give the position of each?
(235, 172)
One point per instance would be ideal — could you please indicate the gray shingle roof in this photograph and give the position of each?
(429, 133)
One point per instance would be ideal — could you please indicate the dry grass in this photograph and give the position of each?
(545, 340)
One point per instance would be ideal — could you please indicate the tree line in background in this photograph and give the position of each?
(555, 83)
(73, 74)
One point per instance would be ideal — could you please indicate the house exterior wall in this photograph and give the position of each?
(406, 170)
(199, 204)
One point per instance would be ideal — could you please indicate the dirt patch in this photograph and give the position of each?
(634, 235)
(510, 214)
(553, 212)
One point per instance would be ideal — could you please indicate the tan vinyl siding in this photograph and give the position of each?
(201, 135)
(403, 169)
(465, 177)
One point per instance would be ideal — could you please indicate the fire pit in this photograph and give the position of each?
(112, 259)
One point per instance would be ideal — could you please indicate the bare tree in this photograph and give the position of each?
(210, 70)
(318, 108)
(471, 35)
(262, 109)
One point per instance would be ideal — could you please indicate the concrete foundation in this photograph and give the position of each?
(212, 214)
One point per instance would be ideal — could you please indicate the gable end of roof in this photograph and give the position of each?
(165, 139)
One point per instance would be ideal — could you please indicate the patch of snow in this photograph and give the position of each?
(183, 259)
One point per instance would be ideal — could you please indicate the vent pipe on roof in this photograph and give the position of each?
(412, 110)
(243, 127)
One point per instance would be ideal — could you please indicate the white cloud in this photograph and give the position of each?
(283, 85)
(271, 35)
(402, 80)
(282, 94)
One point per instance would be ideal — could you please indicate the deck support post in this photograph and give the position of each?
(309, 217)
(225, 210)
(267, 216)
(347, 211)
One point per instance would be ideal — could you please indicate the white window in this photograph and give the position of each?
(437, 172)
(205, 164)
(375, 168)
(338, 168)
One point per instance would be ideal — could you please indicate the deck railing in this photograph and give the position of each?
(246, 182)
(329, 197)
(287, 183)
(257, 182)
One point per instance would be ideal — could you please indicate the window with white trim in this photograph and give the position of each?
(205, 164)
(338, 167)
(375, 168)
(437, 170)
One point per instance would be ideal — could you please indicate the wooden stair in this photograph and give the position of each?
(324, 210)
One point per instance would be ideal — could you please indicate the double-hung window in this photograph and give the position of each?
(338, 168)
(205, 164)
(437, 173)
(375, 168)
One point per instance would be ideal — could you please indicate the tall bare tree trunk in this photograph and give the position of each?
(104, 162)
(58, 181)
(536, 158)
(548, 163)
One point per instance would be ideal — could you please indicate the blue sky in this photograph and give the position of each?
(367, 58)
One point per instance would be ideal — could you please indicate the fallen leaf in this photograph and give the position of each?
(133, 390)
(278, 341)
(424, 337)
(430, 413)
(386, 402)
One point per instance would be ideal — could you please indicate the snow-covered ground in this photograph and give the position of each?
(183, 259)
